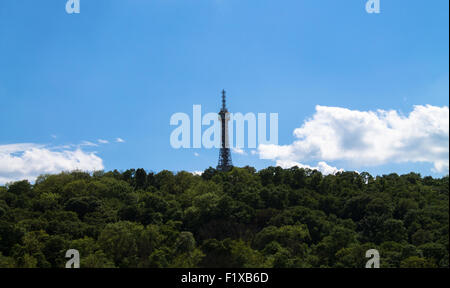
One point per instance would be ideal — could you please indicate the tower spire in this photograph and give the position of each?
(224, 94)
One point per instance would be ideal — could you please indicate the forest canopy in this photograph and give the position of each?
(284, 218)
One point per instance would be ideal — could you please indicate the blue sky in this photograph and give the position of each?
(120, 69)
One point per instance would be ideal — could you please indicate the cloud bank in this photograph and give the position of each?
(27, 161)
(368, 138)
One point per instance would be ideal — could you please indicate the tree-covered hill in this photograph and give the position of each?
(242, 218)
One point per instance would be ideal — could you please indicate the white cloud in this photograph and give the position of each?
(196, 154)
(238, 151)
(27, 161)
(120, 140)
(88, 143)
(102, 141)
(369, 138)
(321, 166)
(198, 173)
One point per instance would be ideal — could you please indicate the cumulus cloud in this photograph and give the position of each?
(369, 138)
(238, 151)
(120, 140)
(321, 166)
(27, 161)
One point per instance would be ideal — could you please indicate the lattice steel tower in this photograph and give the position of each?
(225, 163)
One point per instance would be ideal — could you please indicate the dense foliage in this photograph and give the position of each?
(242, 218)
